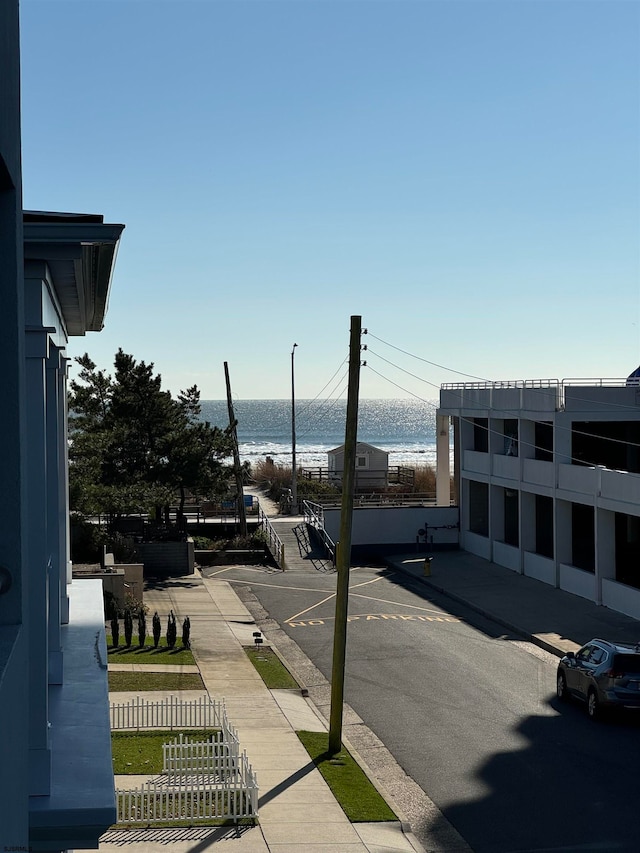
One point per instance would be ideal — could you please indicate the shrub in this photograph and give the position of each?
(425, 478)
(157, 628)
(110, 604)
(311, 489)
(274, 479)
(87, 540)
(115, 631)
(203, 543)
(186, 633)
(142, 628)
(123, 548)
(171, 630)
(128, 628)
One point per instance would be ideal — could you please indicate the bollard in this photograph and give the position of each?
(427, 566)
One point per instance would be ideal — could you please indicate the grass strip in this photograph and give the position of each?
(271, 669)
(360, 799)
(139, 753)
(148, 654)
(123, 681)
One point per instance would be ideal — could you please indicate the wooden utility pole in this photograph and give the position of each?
(343, 563)
(242, 515)
(294, 468)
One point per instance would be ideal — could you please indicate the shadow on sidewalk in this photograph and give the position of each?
(286, 783)
(206, 835)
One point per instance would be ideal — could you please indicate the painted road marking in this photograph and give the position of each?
(332, 595)
(372, 617)
(312, 607)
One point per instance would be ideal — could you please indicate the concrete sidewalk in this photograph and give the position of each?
(551, 618)
(297, 811)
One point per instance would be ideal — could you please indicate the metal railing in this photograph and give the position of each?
(272, 540)
(314, 516)
(376, 499)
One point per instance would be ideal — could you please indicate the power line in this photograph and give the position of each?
(520, 441)
(624, 406)
(426, 361)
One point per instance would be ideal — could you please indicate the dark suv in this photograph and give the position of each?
(602, 674)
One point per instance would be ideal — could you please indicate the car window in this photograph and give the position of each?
(598, 655)
(585, 653)
(627, 663)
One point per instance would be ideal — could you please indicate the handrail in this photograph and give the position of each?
(314, 515)
(274, 542)
(376, 499)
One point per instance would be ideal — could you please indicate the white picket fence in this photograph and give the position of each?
(191, 798)
(202, 779)
(169, 713)
(219, 759)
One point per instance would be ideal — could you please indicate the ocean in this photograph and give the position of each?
(404, 428)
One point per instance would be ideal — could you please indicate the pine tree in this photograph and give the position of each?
(133, 447)
(186, 633)
(157, 628)
(128, 628)
(171, 630)
(115, 631)
(142, 627)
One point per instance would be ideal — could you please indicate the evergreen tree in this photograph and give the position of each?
(186, 633)
(135, 448)
(157, 628)
(128, 627)
(171, 630)
(142, 627)
(115, 631)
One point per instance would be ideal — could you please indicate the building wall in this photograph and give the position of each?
(14, 819)
(375, 474)
(387, 527)
(536, 507)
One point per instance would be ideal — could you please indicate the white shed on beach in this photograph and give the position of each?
(372, 466)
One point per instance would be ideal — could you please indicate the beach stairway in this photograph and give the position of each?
(302, 548)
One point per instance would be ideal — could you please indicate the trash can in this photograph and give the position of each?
(427, 566)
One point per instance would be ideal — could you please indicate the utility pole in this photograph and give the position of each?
(294, 470)
(242, 515)
(343, 563)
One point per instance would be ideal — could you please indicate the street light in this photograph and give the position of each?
(294, 472)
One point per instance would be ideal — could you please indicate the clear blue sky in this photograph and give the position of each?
(463, 175)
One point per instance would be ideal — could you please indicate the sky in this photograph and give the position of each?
(464, 175)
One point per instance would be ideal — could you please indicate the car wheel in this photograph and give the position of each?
(561, 687)
(593, 705)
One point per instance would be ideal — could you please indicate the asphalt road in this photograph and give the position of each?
(468, 711)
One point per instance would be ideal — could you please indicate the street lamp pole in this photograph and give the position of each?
(294, 469)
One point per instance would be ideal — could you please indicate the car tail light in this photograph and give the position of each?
(615, 673)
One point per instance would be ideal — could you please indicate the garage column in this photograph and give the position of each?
(443, 464)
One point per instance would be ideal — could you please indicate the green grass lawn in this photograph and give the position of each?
(121, 681)
(147, 654)
(141, 752)
(360, 800)
(271, 669)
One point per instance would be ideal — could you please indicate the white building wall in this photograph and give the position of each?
(607, 490)
(391, 525)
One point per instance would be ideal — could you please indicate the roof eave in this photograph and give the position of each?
(82, 252)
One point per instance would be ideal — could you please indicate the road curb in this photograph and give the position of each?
(266, 624)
